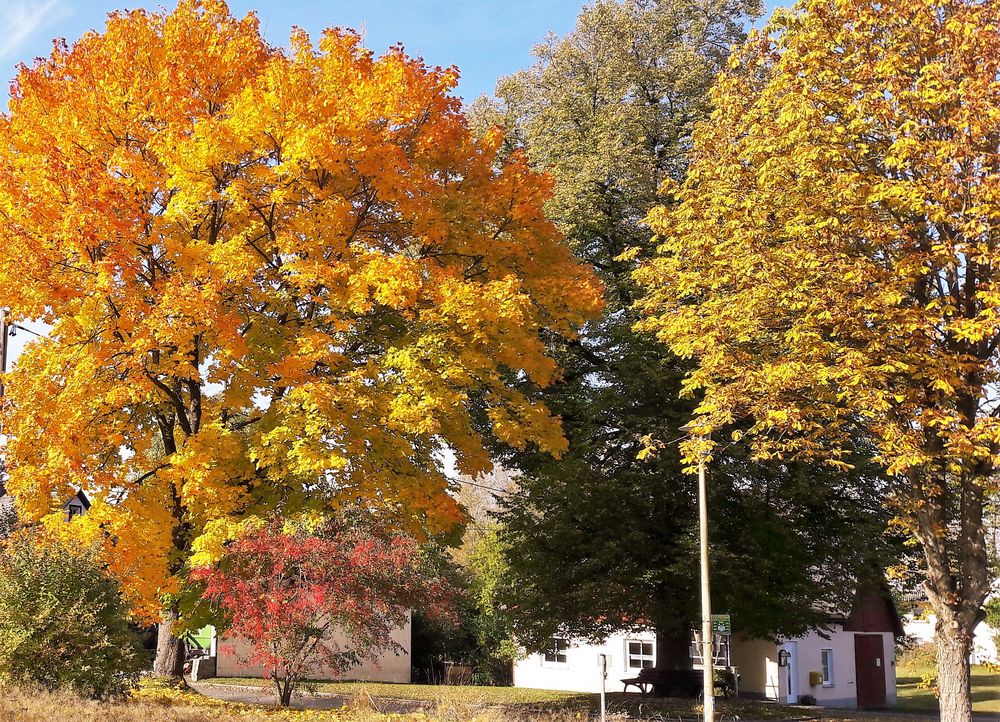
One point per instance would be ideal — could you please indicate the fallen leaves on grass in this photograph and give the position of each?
(158, 702)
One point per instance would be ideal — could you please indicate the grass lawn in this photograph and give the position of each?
(154, 702)
(157, 702)
(519, 699)
(985, 690)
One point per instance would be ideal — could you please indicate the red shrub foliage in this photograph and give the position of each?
(287, 592)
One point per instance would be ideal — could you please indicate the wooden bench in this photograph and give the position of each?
(675, 682)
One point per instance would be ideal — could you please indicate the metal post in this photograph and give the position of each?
(707, 653)
(603, 664)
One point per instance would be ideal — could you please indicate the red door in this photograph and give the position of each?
(869, 662)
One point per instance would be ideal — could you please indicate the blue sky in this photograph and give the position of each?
(486, 39)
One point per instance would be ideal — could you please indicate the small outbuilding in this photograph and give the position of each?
(848, 664)
(76, 505)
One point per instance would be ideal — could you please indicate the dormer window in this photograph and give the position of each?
(76, 506)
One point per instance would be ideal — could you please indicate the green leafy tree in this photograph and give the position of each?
(487, 571)
(477, 565)
(601, 540)
(63, 623)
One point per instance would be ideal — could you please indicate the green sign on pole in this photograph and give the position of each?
(722, 624)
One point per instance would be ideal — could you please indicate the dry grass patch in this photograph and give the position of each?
(154, 702)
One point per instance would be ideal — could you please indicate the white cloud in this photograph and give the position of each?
(21, 18)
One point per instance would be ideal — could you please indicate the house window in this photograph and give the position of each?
(826, 663)
(73, 510)
(640, 654)
(557, 651)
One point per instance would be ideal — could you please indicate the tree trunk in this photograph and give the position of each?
(673, 650)
(169, 649)
(957, 576)
(954, 646)
(285, 693)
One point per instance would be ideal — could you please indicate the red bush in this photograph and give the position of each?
(287, 592)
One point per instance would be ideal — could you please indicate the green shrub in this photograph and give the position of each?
(63, 624)
(917, 655)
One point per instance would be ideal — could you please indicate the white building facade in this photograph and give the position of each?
(836, 668)
(984, 647)
(848, 664)
(827, 667)
(573, 666)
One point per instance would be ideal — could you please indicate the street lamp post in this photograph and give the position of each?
(707, 651)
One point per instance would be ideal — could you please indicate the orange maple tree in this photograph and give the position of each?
(275, 279)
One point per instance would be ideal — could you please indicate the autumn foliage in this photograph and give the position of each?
(329, 596)
(833, 263)
(272, 277)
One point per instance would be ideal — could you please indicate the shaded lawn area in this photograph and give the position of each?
(524, 699)
(985, 690)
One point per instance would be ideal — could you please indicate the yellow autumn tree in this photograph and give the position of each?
(275, 279)
(833, 263)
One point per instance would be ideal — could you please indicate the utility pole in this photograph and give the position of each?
(3, 369)
(3, 348)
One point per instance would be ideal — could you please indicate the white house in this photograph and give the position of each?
(838, 668)
(573, 666)
(76, 505)
(919, 625)
(850, 664)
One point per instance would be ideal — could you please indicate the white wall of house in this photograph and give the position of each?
(579, 672)
(390, 666)
(760, 674)
(575, 668)
(840, 690)
(984, 648)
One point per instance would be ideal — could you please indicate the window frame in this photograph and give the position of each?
(826, 666)
(642, 656)
(558, 649)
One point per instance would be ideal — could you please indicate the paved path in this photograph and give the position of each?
(308, 700)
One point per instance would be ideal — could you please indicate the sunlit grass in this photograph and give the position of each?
(985, 690)
(154, 702)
